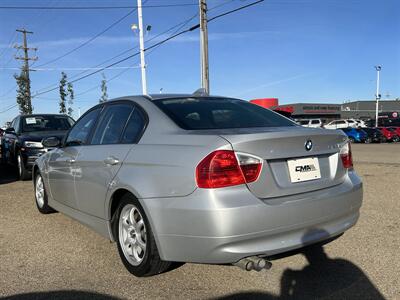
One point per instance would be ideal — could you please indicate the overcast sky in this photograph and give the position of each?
(295, 50)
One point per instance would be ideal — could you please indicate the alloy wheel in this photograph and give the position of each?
(39, 191)
(132, 234)
(19, 161)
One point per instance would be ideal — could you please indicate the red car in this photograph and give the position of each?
(396, 130)
(390, 134)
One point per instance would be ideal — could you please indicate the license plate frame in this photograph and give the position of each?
(304, 169)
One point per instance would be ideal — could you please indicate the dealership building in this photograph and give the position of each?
(348, 110)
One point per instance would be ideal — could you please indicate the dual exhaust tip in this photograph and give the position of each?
(253, 263)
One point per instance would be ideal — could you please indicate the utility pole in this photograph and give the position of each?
(377, 95)
(141, 44)
(205, 81)
(26, 59)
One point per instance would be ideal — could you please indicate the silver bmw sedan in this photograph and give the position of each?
(197, 178)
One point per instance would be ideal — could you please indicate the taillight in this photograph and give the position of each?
(346, 156)
(221, 168)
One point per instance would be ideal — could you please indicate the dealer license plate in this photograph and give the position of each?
(304, 169)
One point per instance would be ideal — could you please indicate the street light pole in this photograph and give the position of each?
(205, 83)
(141, 44)
(377, 95)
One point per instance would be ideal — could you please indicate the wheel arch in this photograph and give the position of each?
(112, 206)
(35, 170)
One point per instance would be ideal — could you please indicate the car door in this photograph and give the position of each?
(62, 169)
(100, 161)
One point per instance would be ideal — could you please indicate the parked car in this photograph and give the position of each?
(356, 135)
(204, 179)
(312, 123)
(359, 123)
(390, 135)
(22, 141)
(396, 130)
(339, 124)
(375, 135)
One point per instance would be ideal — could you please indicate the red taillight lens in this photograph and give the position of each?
(221, 169)
(346, 156)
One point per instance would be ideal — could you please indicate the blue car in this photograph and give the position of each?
(356, 135)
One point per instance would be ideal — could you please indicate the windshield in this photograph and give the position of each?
(219, 113)
(46, 123)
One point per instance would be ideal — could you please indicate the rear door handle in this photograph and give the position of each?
(70, 161)
(111, 160)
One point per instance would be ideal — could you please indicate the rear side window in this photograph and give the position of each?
(219, 113)
(315, 122)
(112, 123)
(134, 128)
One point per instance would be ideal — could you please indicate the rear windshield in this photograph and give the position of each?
(46, 123)
(219, 113)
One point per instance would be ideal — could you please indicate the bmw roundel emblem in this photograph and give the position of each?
(308, 145)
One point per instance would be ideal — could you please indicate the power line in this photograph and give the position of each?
(65, 69)
(89, 40)
(99, 85)
(7, 109)
(180, 25)
(154, 45)
(12, 39)
(235, 10)
(95, 7)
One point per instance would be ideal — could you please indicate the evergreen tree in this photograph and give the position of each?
(104, 95)
(70, 90)
(63, 93)
(23, 95)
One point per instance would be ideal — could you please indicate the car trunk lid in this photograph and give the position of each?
(277, 146)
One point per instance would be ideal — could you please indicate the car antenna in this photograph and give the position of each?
(200, 92)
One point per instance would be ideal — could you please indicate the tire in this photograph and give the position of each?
(368, 141)
(23, 173)
(395, 139)
(41, 196)
(352, 140)
(143, 262)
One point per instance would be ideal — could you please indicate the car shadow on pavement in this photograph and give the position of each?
(7, 174)
(61, 295)
(323, 277)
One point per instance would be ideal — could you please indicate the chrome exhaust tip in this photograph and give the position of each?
(253, 263)
(245, 264)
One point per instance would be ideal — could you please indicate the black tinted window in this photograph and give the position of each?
(112, 123)
(134, 128)
(46, 123)
(219, 113)
(80, 132)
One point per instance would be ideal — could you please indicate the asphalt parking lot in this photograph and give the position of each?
(54, 256)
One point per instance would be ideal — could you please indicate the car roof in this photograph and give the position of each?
(42, 115)
(152, 97)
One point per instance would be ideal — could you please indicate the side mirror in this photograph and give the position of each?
(51, 142)
(10, 130)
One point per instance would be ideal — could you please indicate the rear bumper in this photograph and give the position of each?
(225, 225)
